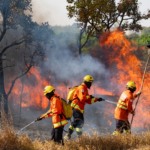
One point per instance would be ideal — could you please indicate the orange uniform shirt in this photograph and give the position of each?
(124, 105)
(56, 112)
(81, 97)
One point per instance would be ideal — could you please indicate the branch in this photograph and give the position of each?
(1, 69)
(15, 43)
(4, 13)
(94, 27)
(88, 35)
(3, 31)
(80, 37)
(22, 74)
(122, 18)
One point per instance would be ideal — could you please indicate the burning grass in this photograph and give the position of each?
(9, 140)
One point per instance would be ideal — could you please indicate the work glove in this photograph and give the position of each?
(100, 99)
(39, 118)
(91, 96)
(138, 93)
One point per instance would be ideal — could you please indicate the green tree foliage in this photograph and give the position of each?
(142, 38)
(97, 16)
(102, 15)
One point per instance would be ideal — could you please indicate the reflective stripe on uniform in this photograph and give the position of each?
(78, 129)
(122, 105)
(116, 133)
(93, 100)
(127, 131)
(58, 124)
(88, 96)
(71, 127)
(77, 107)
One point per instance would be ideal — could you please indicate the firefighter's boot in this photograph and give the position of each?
(127, 131)
(116, 133)
(79, 131)
(68, 135)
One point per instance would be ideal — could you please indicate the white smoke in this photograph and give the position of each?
(52, 11)
(66, 67)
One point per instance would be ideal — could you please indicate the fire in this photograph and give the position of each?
(99, 90)
(125, 66)
(29, 93)
(121, 57)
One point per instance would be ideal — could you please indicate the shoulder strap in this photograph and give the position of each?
(61, 99)
(77, 96)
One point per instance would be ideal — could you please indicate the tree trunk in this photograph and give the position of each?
(21, 96)
(79, 44)
(3, 96)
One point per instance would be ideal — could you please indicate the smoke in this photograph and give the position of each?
(60, 59)
(63, 66)
(66, 67)
(52, 11)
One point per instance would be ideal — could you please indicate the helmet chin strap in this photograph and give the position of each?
(88, 84)
(49, 95)
(132, 89)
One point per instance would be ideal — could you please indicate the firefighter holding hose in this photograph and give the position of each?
(56, 112)
(124, 108)
(80, 99)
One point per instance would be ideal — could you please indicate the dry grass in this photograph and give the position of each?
(9, 140)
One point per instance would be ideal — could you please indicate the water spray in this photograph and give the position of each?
(26, 126)
(142, 81)
(105, 100)
(111, 102)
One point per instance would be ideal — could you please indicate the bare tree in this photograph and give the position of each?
(21, 40)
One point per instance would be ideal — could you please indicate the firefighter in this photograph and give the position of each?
(56, 112)
(80, 98)
(124, 108)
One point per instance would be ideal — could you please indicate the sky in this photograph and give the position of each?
(54, 12)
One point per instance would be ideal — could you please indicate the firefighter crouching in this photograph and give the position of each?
(124, 108)
(80, 98)
(56, 112)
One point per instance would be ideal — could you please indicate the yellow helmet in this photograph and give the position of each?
(131, 84)
(48, 89)
(88, 78)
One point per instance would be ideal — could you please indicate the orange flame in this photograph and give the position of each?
(123, 61)
(123, 65)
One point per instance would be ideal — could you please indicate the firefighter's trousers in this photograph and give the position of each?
(122, 126)
(57, 135)
(77, 124)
